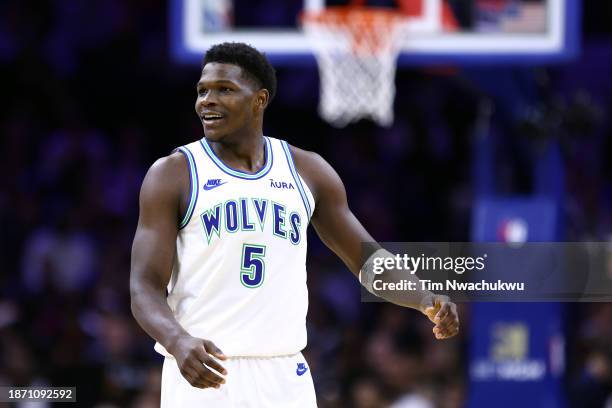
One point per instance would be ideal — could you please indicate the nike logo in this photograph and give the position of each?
(301, 369)
(213, 183)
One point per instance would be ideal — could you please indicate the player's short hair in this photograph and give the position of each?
(253, 63)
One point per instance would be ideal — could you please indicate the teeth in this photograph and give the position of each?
(212, 116)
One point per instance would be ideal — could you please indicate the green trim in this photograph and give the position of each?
(237, 173)
(244, 221)
(193, 186)
(218, 230)
(282, 224)
(261, 222)
(228, 218)
(296, 177)
(298, 232)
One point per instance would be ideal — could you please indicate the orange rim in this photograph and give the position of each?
(370, 27)
(346, 14)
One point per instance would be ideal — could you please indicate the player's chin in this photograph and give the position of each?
(214, 135)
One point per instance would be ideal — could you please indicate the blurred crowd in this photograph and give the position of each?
(91, 97)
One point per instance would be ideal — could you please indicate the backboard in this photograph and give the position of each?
(476, 32)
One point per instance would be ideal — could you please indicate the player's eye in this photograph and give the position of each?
(225, 89)
(202, 91)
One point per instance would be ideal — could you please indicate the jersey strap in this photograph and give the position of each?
(194, 184)
(296, 177)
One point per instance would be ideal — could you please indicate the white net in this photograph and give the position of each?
(356, 50)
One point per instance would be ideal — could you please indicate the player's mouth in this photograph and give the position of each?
(212, 118)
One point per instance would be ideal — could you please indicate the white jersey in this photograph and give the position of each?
(239, 277)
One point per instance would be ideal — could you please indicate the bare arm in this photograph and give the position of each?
(340, 230)
(153, 251)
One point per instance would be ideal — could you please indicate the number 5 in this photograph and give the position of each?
(252, 266)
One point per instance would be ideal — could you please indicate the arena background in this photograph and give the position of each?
(91, 96)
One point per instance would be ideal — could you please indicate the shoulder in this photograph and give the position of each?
(169, 167)
(306, 160)
(317, 172)
(169, 175)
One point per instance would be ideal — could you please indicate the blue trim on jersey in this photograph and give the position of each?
(194, 186)
(268, 157)
(296, 177)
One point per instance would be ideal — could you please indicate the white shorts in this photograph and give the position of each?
(250, 382)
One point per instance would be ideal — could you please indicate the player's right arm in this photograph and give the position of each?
(162, 201)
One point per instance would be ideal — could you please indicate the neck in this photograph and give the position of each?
(241, 152)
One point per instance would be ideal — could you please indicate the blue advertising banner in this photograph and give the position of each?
(516, 352)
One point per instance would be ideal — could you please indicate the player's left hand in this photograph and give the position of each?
(443, 313)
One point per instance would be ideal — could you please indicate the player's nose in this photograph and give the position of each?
(208, 99)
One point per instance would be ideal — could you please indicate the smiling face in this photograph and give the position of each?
(229, 103)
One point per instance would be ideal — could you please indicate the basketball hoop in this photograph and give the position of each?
(356, 50)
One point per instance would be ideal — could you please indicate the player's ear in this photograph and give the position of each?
(262, 99)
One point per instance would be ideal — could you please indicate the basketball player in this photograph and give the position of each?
(222, 227)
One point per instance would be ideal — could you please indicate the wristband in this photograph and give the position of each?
(366, 273)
